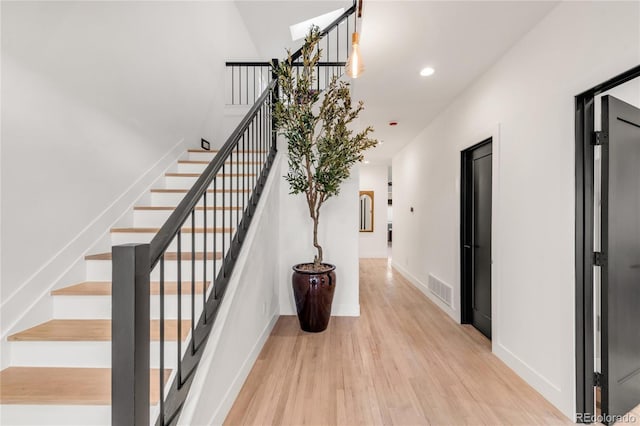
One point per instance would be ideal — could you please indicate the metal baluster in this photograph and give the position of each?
(179, 285)
(224, 239)
(238, 184)
(346, 40)
(254, 162)
(338, 41)
(245, 194)
(326, 77)
(162, 340)
(233, 85)
(193, 279)
(239, 85)
(204, 259)
(254, 84)
(246, 78)
(327, 48)
(215, 239)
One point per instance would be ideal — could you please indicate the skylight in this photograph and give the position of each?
(299, 30)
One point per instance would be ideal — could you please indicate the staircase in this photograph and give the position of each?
(123, 346)
(63, 366)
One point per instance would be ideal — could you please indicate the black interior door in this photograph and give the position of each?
(476, 231)
(621, 247)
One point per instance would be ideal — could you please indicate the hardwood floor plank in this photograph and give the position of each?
(403, 362)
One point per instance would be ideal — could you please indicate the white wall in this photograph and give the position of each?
(526, 102)
(337, 234)
(98, 98)
(247, 315)
(374, 178)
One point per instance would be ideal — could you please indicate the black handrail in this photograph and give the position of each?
(165, 235)
(298, 53)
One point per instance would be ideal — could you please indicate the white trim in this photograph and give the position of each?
(425, 290)
(69, 260)
(235, 387)
(345, 310)
(528, 373)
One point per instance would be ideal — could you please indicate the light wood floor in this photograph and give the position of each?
(403, 362)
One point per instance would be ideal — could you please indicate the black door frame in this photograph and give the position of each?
(584, 133)
(465, 218)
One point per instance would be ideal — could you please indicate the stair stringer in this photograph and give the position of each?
(248, 313)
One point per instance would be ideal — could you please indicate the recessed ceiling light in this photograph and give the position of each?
(366, 161)
(426, 72)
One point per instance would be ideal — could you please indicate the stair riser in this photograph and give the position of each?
(249, 167)
(100, 270)
(186, 182)
(99, 307)
(208, 156)
(57, 415)
(82, 354)
(157, 218)
(163, 199)
(125, 238)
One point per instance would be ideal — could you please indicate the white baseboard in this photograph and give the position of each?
(425, 290)
(337, 310)
(234, 389)
(17, 309)
(345, 310)
(552, 392)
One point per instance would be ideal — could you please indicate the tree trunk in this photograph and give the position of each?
(317, 261)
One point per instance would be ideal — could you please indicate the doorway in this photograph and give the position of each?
(607, 252)
(475, 232)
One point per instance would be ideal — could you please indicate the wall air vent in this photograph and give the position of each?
(443, 291)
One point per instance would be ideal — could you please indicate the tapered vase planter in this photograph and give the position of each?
(313, 291)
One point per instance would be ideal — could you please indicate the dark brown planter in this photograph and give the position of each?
(313, 292)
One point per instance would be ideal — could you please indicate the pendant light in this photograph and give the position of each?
(355, 66)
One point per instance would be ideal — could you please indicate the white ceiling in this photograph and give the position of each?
(460, 39)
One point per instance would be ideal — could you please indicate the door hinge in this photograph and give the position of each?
(599, 258)
(598, 379)
(599, 138)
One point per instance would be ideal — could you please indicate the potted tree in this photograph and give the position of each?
(322, 149)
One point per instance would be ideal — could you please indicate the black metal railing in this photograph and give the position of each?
(181, 276)
(192, 256)
(245, 80)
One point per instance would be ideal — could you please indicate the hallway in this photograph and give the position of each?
(403, 362)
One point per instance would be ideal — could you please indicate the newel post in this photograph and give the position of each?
(130, 335)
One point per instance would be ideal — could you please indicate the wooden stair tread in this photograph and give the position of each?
(186, 230)
(184, 191)
(170, 208)
(63, 386)
(191, 175)
(167, 256)
(103, 288)
(92, 330)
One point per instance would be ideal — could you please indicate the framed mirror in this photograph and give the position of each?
(366, 211)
